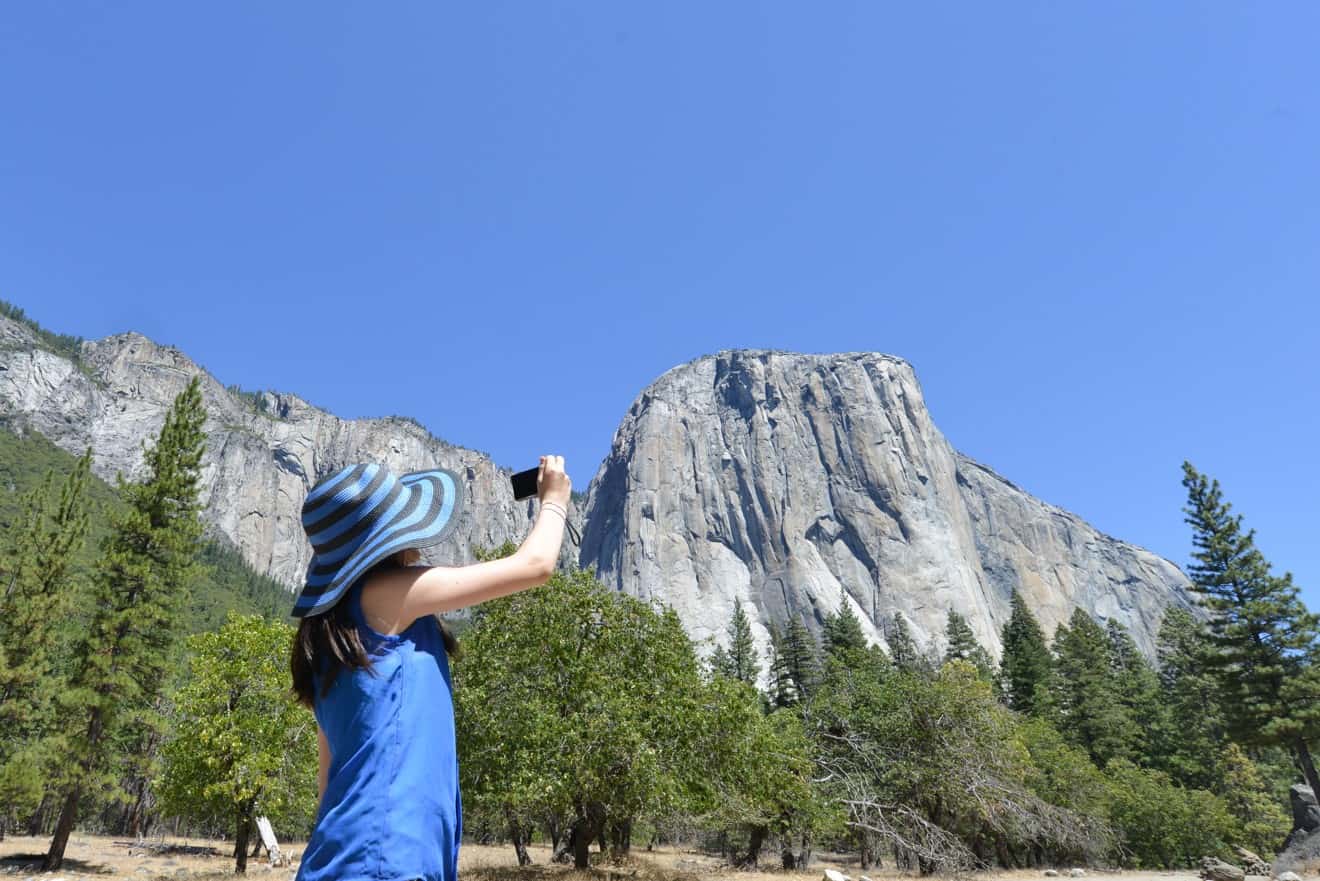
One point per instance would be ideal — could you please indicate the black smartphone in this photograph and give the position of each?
(524, 483)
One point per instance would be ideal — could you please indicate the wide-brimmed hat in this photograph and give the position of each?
(360, 515)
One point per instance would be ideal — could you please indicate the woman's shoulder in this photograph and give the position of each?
(378, 603)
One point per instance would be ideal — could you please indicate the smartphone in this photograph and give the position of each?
(524, 483)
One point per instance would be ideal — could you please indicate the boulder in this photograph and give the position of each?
(1252, 864)
(1051, 873)
(1217, 870)
(832, 875)
(1289, 876)
(1306, 814)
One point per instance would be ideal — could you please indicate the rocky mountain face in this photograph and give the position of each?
(793, 483)
(797, 483)
(263, 452)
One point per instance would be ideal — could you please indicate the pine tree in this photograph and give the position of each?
(743, 664)
(1194, 733)
(963, 645)
(782, 692)
(1263, 820)
(1024, 668)
(139, 586)
(1261, 634)
(719, 663)
(801, 657)
(1138, 688)
(843, 630)
(794, 664)
(37, 595)
(1090, 711)
(903, 649)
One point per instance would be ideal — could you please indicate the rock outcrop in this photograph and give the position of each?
(797, 483)
(263, 452)
(792, 483)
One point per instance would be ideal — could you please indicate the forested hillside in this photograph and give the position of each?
(226, 583)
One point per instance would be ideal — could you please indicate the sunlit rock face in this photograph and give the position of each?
(792, 483)
(262, 454)
(796, 483)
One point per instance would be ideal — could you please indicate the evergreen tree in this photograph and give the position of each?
(843, 630)
(1194, 733)
(1263, 821)
(139, 586)
(1024, 668)
(1261, 634)
(719, 663)
(1138, 688)
(794, 664)
(801, 657)
(743, 664)
(903, 649)
(1090, 712)
(37, 595)
(963, 646)
(782, 692)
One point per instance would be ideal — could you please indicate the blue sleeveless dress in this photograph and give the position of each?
(392, 810)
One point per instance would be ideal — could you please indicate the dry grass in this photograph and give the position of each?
(109, 858)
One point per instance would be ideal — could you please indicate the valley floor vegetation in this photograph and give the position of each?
(145, 688)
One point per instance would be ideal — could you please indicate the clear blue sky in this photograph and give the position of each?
(1094, 228)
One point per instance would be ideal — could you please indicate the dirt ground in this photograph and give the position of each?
(108, 858)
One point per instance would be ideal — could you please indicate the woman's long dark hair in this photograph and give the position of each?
(331, 641)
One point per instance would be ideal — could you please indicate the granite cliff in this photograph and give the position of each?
(264, 451)
(791, 482)
(796, 483)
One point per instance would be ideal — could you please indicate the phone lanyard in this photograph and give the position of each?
(572, 530)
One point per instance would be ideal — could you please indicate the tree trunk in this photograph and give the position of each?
(620, 837)
(753, 848)
(581, 848)
(518, 835)
(1308, 766)
(555, 831)
(241, 838)
(68, 813)
(256, 847)
(37, 822)
(786, 857)
(586, 829)
(135, 823)
(567, 844)
(804, 855)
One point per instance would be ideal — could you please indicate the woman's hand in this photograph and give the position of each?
(552, 483)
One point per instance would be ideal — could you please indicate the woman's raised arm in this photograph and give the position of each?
(406, 594)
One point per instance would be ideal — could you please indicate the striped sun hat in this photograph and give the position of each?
(360, 515)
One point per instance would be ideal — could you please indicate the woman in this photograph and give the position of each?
(371, 660)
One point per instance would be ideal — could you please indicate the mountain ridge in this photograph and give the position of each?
(847, 492)
(818, 473)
